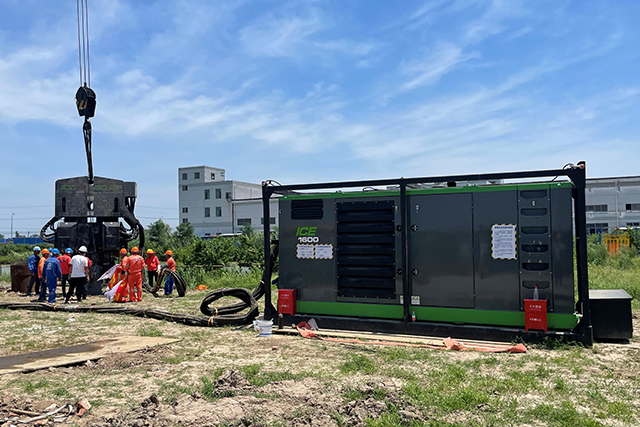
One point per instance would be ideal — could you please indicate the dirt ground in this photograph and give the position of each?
(230, 376)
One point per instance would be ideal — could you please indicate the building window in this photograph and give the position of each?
(244, 221)
(598, 227)
(213, 175)
(207, 194)
(633, 224)
(184, 220)
(227, 196)
(633, 207)
(196, 175)
(185, 210)
(207, 212)
(218, 193)
(272, 220)
(218, 211)
(597, 208)
(184, 176)
(185, 188)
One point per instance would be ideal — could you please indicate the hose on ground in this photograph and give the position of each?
(258, 292)
(132, 311)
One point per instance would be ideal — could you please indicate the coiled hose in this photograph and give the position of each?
(178, 282)
(258, 292)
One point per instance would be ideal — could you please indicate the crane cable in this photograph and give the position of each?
(85, 96)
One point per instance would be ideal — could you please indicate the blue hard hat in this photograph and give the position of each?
(37, 248)
(55, 251)
(68, 251)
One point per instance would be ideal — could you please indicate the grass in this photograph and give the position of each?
(358, 363)
(557, 384)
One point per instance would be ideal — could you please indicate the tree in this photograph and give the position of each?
(184, 233)
(1, 236)
(159, 236)
(17, 234)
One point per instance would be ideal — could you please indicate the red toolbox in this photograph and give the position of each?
(287, 301)
(535, 314)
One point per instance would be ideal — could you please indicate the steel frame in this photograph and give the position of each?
(577, 174)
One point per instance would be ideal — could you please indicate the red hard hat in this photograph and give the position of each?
(123, 251)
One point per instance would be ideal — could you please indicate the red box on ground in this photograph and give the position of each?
(535, 314)
(287, 301)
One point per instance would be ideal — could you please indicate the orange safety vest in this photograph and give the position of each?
(135, 264)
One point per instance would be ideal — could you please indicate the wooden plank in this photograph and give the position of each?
(76, 354)
(379, 336)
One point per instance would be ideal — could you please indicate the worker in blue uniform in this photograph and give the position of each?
(32, 263)
(51, 273)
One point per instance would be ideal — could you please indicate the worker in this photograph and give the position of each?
(135, 265)
(64, 260)
(32, 263)
(51, 275)
(171, 265)
(41, 290)
(120, 275)
(152, 264)
(78, 274)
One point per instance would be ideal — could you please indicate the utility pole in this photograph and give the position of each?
(12, 214)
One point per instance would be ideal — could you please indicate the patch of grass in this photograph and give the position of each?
(258, 378)
(564, 414)
(209, 391)
(28, 386)
(352, 394)
(401, 373)
(149, 331)
(393, 419)
(358, 363)
(560, 386)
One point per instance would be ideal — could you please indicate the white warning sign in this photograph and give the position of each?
(304, 251)
(324, 251)
(503, 241)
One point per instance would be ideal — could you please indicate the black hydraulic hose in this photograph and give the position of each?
(178, 281)
(258, 292)
(135, 311)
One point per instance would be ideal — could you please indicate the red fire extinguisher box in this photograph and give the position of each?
(287, 301)
(535, 314)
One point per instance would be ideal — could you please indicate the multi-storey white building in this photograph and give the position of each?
(214, 205)
(612, 202)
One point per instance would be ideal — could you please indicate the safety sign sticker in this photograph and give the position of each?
(324, 251)
(503, 241)
(304, 251)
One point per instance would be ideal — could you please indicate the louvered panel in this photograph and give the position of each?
(365, 253)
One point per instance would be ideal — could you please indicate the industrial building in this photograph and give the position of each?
(215, 205)
(612, 202)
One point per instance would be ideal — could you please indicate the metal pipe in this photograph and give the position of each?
(578, 177)
(266, 196)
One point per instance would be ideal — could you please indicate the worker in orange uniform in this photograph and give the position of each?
(45, 255)
(134, 267)
(152, 263)
(120, 274)
(171, 265)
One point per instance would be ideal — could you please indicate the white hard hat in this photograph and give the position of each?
(82, 249)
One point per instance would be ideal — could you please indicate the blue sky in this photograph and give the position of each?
(307, 91)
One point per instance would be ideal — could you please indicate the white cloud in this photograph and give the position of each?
(433, 66)
(282, 35)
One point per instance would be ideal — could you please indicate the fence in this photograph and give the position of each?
(614, 243)
(23, 241)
